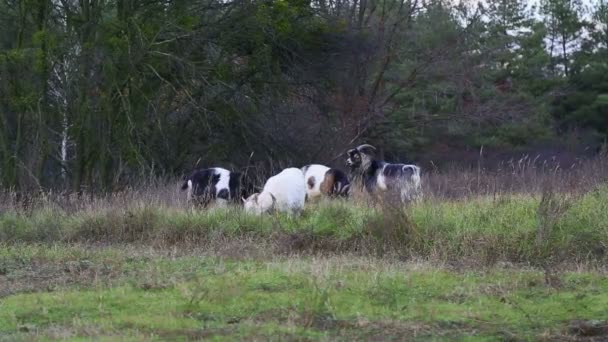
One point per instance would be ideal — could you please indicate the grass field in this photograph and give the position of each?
(81, 292)
(507, 267)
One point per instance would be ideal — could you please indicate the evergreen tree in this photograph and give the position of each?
(565, 29)
(585, 100)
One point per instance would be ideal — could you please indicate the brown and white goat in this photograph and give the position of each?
(322, 180)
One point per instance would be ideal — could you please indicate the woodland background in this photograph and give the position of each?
(95, 94)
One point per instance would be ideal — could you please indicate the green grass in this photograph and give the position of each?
(148, 295)
(512, 267)
(516, 228)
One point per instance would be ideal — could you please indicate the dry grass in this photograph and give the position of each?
(527, 175)
(516, 254)
(523, 213)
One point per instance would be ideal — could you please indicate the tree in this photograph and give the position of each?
(585, 100)
(95, 94)
(508, 24)
(564, 28)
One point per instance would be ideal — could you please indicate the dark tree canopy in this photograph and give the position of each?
(95, 93)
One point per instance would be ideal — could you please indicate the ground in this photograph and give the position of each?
(132, 293)
(508, 267)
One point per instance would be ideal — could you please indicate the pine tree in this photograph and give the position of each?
(509, 27)
(564, 30)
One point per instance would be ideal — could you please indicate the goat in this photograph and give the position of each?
(374, 174)
(322, 180)
(213, 184)
(285, 192)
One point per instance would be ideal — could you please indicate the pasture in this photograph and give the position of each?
(515, 255)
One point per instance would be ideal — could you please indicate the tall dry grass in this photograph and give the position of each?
(527, 175)
(524, 213)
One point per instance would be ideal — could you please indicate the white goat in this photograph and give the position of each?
(285, 192)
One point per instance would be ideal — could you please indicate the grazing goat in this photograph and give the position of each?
(322, 180)
(212, 184)
(285, 192)
(374, 174)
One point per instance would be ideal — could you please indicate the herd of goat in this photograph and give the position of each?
(288, 190)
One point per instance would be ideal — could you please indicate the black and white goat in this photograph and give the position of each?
(213, 185)
(379, 175)
(322, 180)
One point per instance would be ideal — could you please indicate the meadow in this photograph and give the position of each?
(517, 253)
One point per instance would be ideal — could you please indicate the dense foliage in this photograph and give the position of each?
(96, 92)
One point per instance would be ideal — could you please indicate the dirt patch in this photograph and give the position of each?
(352, 329)
(194, 334)
(580, 330)
(279, 315)
(382, 330)
(30, 332)
(589, 328)
(41, 275)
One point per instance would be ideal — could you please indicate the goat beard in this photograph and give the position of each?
(358, 173)
(366, 163)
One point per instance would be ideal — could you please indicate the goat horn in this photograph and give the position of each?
(366, 146)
